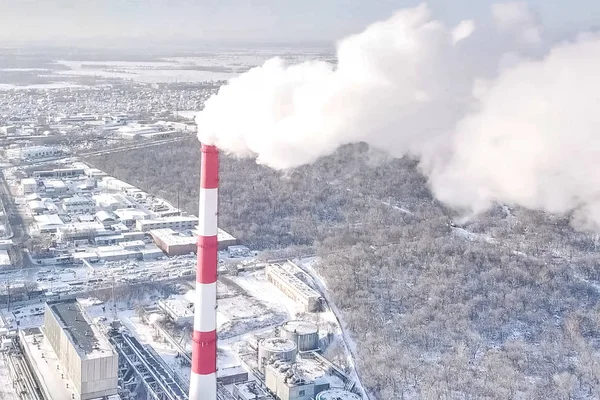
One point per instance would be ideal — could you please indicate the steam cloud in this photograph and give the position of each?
(488, 126)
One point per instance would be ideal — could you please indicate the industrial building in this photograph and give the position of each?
(275, 348)
(33, 152)
(174, 243)
(249, 391)
(59, 173)
(294, 288)
(48, 223)
(79, 350)
(176, 223)
(303, 333)
(282, 380)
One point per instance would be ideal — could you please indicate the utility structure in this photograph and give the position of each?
(203, 380)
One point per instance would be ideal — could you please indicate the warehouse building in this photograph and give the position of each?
(33, 152)
(59, 173)
(84, 352)
(174, 243)
(294, 288)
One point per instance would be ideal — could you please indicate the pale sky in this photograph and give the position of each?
(286, 21)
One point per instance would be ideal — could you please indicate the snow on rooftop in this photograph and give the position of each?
(44, 365)
(48, 220)
(178, 306)
(170, 237)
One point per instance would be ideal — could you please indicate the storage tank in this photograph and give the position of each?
(278, 348)
(337, 394)
(305, 334)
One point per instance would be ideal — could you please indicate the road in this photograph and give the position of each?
(15, 219)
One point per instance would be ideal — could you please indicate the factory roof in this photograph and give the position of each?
(293, 281)
(55, 183)
(85, 337)
(130, 213)
(28, 181)
(48, 220)
(249, 390)
(43, 364)
(170, 237)
(337, 394)
(278, 344)
(78, 200)
(178, 306)
(300, 327)
(104, 216)
(36, 205)
(175, 218)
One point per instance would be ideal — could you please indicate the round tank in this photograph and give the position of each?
(305, 334)
(337, 394)
(277, 348)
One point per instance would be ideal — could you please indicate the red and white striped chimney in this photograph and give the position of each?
(203, 380)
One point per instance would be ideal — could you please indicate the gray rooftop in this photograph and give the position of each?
(86, 338)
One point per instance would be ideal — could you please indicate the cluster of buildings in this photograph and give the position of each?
(88, 215)
(130, 108)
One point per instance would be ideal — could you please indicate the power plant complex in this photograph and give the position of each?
(273, 322)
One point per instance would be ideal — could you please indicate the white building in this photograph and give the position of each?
(33, 152)
(78, 205)
(55, 187)
(29, 185)
(177, 223)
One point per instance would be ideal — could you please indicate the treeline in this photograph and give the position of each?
(505, 306)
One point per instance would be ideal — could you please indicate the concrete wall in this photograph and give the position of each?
(92, 378)
(99, 376)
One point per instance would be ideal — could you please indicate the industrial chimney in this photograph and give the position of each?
(203, 380)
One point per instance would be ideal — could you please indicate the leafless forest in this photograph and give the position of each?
(504, 306)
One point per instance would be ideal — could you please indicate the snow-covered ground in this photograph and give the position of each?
(6, 389)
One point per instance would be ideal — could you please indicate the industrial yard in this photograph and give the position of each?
(110, 269)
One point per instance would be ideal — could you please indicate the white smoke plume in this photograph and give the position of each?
(523, 132)
(518, 20)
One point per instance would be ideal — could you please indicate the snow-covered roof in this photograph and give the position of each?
(78, 200)
(48, 220)
(36, 205)
(104, 216)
